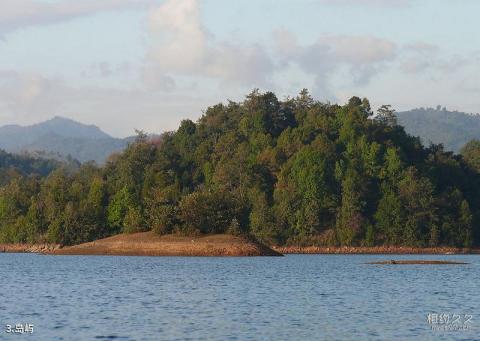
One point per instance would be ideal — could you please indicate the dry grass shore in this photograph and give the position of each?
(372, 250)
(150, 244)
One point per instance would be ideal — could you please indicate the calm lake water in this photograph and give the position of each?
(297, 297)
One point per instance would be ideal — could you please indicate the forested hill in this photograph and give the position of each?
(287, 172)
(451, 128)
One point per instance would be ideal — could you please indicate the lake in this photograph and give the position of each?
(297, 297)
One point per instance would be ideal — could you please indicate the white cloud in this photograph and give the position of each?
(181, 45)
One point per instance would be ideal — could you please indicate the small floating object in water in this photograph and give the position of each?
(431, 262)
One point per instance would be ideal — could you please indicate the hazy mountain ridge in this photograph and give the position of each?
(451, 128)
(62, 136)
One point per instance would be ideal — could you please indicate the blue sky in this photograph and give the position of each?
(147, 64)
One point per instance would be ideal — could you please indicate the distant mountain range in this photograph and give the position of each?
(451, 128)
(61, 137)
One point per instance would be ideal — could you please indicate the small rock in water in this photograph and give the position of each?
(412, 262)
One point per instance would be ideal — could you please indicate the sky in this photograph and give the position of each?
(148, 64)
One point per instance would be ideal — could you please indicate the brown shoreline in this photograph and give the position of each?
(401, 250)
(149, 244)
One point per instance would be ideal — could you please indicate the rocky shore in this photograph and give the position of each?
(372, 250)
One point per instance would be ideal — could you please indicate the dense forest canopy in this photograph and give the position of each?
(286, 172)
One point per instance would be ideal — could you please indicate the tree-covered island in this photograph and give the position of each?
(296, 172)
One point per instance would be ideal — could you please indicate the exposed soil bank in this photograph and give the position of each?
(394, 262)
(372, 250)
(150, 244)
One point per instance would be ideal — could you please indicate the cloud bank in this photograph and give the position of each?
(180, 45)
